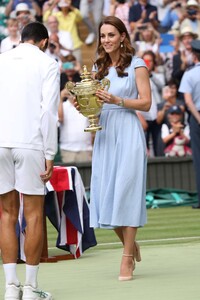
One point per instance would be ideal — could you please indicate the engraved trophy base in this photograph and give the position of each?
(93, 126)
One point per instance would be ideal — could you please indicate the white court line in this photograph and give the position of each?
(148, 241)
(155, 241)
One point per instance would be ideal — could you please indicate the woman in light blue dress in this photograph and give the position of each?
(118, 184)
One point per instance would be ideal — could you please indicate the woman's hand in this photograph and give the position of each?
(106, 97)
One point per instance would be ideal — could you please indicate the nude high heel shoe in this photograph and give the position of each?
(136, 252)
(126, 278)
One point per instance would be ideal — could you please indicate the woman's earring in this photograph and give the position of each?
(121, 45)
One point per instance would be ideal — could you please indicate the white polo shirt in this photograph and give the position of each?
(29, 98)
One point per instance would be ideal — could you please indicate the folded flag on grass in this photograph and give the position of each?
(67, 209)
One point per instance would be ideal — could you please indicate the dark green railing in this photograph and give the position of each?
(162, 172)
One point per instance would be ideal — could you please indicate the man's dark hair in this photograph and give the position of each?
(35, 31)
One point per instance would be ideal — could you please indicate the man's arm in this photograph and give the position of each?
(49, 115)
(191, 106)
(45, 176)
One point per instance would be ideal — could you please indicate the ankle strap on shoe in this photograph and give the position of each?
(127, 255)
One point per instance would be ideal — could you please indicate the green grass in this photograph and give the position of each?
(165, 226)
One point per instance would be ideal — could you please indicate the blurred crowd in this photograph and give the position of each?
(161, 32)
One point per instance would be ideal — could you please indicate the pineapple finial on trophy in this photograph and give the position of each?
(85, 75)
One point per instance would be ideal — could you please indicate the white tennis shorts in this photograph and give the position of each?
(20, 170)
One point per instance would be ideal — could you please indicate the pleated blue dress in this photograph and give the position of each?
(118, 181)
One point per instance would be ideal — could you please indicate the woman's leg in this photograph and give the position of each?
(136, 248)
(127, 266)
(119, 233)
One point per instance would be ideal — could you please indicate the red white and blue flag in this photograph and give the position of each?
(67, 208)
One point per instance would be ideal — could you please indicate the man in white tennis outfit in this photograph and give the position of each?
(29, 98)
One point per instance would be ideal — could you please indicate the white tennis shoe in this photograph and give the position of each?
(13, 292)
(30, 293)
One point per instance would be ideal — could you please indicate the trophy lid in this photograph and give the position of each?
(87, 84)
(87, 80)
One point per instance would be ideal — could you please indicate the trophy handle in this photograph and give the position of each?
(70, 87)
(105, 83)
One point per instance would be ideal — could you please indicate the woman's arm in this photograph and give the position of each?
(142, 103)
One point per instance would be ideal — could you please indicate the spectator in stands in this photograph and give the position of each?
(68, 19)
(39, 15)
(148, 39)
(166, 62)
(172, 16)
(162, 7)
(175, 134)
(106, 7)
(13, 38)
(70, 70)
(23, 14)
(191, 18)
(65, 39)
(31, 6)
(120, 9)
(95, 7)
(183, 59)
(75, 144)
(49, 3)
(142, 12)
(53, 49)
(170, 98)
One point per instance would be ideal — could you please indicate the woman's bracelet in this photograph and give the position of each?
(121, 102)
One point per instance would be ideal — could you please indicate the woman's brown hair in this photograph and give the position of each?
(103, 61)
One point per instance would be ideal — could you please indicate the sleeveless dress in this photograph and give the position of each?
(118, 181)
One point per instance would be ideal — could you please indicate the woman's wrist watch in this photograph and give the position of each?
(121, 102)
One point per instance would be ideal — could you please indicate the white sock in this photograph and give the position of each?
(10, 271)
(31, 275)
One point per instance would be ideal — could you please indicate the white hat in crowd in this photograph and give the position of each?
(63, 3)
(192, 3)
(186, 30)
(22, 7)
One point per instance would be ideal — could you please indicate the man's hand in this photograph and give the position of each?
(64, 94)
(48, 172)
